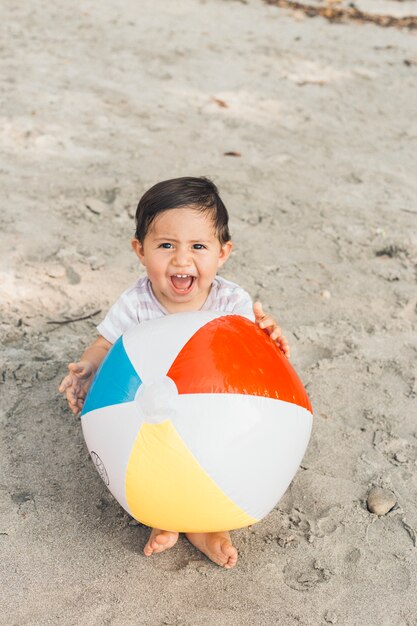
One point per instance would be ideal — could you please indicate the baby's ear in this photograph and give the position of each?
(138, 249)
(225, 252)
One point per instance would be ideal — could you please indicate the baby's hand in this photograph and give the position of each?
(75, 385)
(270, 326)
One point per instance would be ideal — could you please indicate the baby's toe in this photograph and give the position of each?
(229, 554)
(159, 542)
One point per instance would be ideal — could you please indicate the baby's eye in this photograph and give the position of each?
(199, 246)
(165, 246)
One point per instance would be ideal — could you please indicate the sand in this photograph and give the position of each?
(103, 99)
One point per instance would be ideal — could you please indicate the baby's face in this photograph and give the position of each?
(181, 253)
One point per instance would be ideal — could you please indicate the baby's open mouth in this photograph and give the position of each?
(182, 282)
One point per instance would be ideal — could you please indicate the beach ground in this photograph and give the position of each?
(309, 129)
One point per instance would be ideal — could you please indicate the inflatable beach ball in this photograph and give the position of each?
(196, 422)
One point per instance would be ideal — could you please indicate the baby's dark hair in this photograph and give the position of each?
(198, 193)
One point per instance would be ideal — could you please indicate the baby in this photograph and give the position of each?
(182, 238)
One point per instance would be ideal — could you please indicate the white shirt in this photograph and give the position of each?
(138, 304)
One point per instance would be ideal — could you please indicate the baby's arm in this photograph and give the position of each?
(76, 384)
(267, 323)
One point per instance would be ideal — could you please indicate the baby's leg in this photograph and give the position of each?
(159, 541)
(216, 546)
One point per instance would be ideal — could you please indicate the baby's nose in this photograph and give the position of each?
(182, 257)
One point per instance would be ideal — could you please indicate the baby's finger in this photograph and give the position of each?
(76, 368)
(72, 396)
(66, 382)
(286, 351)
(258, 311)
(285, 347)
(74, 408)
(265, 322)
(276, 333)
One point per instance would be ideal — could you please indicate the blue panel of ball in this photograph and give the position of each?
(116, 380)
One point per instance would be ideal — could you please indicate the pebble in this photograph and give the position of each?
(96, 206)
(325, 294)
(380, 500)
(55, 270)
(330, 617)
(401, 457)
(95, 263)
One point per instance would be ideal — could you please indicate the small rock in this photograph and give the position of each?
(95, 263)
(96, 206)
(325, 294)
(55, 270)
(330, 617)
(401, 457)
(298, 15)
(286, 540)
(380, 500)
(368, 414)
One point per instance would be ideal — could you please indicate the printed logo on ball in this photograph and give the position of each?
(100, 467)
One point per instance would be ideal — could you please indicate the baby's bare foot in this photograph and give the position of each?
(217, 546)
(159, 541)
